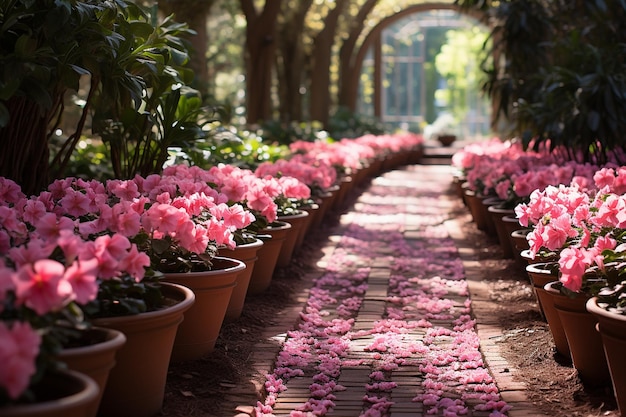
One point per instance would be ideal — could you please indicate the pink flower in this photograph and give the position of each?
(234, 189)
(41, 286)
(10, 192)
(163, 218)
(123, 189)
(220, 233)
(70, 244)
(31, 252)
(134, 263)
(75, 203)
(13, 225)
(260, 201)
(49, 226)
(612, 212)
(294, 188)
(82, 277)
(194, 238)
(19, 347)
(573, 262)
(555, 234)
(127, 220)
(107, 262)
(34, 210)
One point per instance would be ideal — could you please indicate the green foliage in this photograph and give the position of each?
(227, 144)
(284, 134)
(561, 73)
(124, 296)
(347, 124)
(145, 106)
(46, 48)
(131, 76)
(90, 159)
(455, 62)
(583, 102)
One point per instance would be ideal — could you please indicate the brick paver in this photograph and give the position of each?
(349, 403)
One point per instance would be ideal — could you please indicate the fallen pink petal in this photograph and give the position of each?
(424, 342)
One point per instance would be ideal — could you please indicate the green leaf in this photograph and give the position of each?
(160, 246)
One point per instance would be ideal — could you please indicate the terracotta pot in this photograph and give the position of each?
(457, 185)
(612, 329)
(511, 224)
(360, 175)
(248, 254)
(520, 244)
(490, 225)
(446, 139)
(375, 167)
(64, 393)
(264, 268)
(525, 254)
(498, 213)
(198, 333)
(326, 202)
(298, 222)
(136, 384)
(323, 202)
(345, 186)
(313, 211)
(584, 341)
(541, 274)
(415, 155)
(477, 209)
(95, 359)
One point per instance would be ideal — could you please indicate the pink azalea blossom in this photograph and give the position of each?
(82, 275)
(573, 263)
(19, 347)
(42, 286)
(49, 226)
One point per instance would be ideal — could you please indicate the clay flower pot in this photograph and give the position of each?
(248, 254)
(136, 385)
(96, 358)
(582, 337)
(198, 333)
(264, 268)
(298, 223)
(541, 274)
(612, 329)
(61, 394)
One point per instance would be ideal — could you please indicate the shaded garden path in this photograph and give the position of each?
(387, 326)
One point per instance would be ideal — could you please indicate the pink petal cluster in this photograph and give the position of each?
(19, 347)
(506, 170)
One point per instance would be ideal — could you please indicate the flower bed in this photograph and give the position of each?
(84, 248)
(576, 212)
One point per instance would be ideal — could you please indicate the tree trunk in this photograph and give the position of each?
(24, 148)
(260, 53)
(348, 76)
(320, 75)
(194, 14)
(291, 62)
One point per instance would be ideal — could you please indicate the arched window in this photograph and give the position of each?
(402, 85)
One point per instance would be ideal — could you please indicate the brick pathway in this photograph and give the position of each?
(440, 207)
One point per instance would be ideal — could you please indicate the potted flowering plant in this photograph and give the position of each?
(50, 277)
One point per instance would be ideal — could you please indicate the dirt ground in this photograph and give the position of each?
(208, 387)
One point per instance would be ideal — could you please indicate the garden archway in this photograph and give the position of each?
(374, 41)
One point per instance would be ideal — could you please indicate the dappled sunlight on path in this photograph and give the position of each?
(387, 329)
